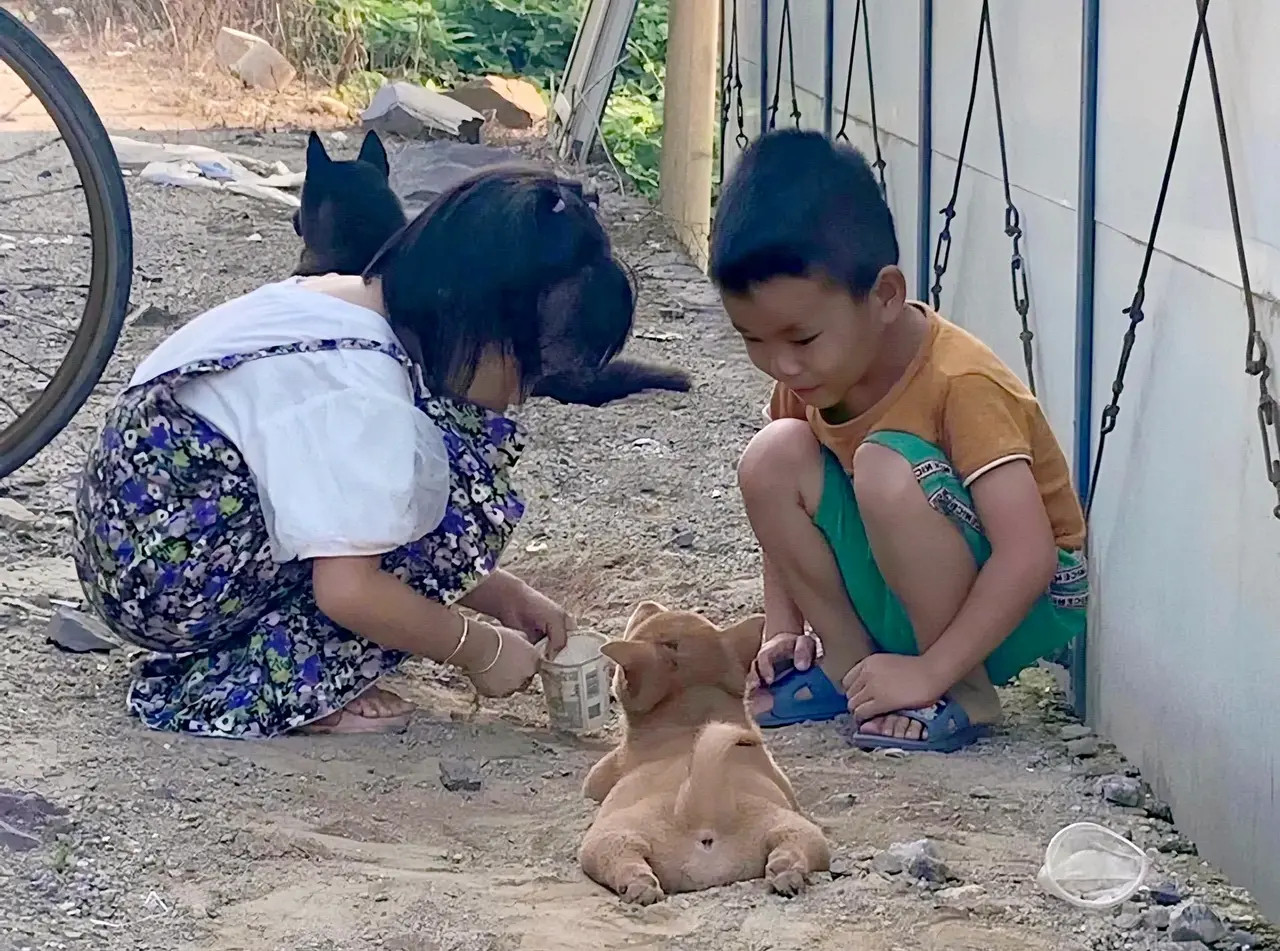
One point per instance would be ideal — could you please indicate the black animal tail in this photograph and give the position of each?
(616, 380)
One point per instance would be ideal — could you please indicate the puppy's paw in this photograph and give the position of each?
(785, 875)
(642, 890)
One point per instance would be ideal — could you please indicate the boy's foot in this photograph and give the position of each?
(374, 711)
(943, 727)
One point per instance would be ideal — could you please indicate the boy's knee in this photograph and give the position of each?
(883, 480)
(782, 459)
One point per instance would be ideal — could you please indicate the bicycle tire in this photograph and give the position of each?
(111, 235)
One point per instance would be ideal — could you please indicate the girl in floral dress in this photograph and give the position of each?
(299, 488)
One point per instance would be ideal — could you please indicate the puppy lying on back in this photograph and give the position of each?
(690, 798)
(349, 212)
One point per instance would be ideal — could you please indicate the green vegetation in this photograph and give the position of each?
(439, 42)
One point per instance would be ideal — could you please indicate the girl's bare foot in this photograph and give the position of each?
(374, 711)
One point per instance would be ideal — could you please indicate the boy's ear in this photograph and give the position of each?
(373, 152)
(644, 674)
(644, 610)
(316, 154)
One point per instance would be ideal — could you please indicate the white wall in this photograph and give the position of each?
(1184, 651)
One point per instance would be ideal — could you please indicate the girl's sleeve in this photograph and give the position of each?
(350, 466)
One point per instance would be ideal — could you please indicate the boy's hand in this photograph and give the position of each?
(539, 618)
(515, 667)
(885, 683)
(800, 649)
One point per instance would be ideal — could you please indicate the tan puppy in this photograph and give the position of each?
(691, 798)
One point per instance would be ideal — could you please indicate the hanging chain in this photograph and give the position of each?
(1012, 217)
(860, 13)
(784, 37)
(1134, 311)
(732, 91)
(1256, 362)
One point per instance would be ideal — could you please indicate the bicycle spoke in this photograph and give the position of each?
(56, 191)
(30, 152)
(28, 364)
(13, 409)
(40, 321)
(6, 232)
(41, 287)
(7, 115)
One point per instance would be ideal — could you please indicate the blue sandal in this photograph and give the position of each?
(948, 727)
(824, 701)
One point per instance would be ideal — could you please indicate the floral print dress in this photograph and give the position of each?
(172, 549)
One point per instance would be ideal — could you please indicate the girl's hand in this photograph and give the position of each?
(539, 618)
(508, 663)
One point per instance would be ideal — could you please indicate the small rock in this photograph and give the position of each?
(981, 792)
(1075, 731)
(1158, 809)
(684, 539)
(515, 103)
(459, 776)
(15, 516)
(918, 860)
(151, 316)
(1177, 845)
(1183, 946)
(414, 112)
(252, 59)
(1121, 790)
(1155, 919)
(23, 816)
(1164, 893)
(1195, 921)
(79, 632)
(1082, 747)
(1128, 921)
(1244, 940)
(962, 896)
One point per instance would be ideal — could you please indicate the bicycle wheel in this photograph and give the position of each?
(24, 431)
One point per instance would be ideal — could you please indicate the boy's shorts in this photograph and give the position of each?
(1055, 619)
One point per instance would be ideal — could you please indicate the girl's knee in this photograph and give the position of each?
(783, 459)
(883, 481)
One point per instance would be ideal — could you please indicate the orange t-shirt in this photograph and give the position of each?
(959, 396)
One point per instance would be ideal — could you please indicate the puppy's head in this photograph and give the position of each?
(668, 652)
(348, 209)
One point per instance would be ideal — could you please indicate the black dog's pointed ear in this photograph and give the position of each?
(374, 152)
(316, 154)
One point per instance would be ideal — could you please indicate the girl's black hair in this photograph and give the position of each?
(511, 260)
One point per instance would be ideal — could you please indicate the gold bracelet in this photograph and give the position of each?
(493, 663)
(466, 628)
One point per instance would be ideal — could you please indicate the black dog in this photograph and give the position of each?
(349, 212)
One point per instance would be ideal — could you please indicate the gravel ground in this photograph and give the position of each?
(162, 842)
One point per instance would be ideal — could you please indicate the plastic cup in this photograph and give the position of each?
(1092, 867)
(575, 684)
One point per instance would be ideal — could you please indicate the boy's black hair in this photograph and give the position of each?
(349, 212)
(800, 205)
(511, 259)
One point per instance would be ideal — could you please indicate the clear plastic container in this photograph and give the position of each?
(576, 684)
(1092, 867)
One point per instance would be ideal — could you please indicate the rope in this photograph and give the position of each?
(1012, 217)
(860, 12)
(1257, 362)
(784, 39)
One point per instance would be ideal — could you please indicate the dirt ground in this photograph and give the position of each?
(320, 844)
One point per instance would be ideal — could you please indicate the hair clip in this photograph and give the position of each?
(558, 206)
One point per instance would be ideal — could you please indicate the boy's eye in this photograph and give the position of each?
(806, 340)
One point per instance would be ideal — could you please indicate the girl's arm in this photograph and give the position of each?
(495, 595)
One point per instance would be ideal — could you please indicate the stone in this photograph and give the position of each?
(14, 516)
(515, 103)
(252, 59)
(459, 776)
(684, 539)
(1244, 940)
(964, 897)
(1128, 921)
(1195, 921)
(1182, 946)
(1075, 731)
(981, 792)
(78, 632)
(1177, 845)
(23, 817)
(1164, 893)
(1155, 919)
(919, 861)
(1120, 790)
(1084, 746)
(415, 112)
(1158, 809)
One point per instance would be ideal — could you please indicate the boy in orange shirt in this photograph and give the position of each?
(914, 508)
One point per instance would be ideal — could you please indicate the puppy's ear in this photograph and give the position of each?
(743, 641)
(374, 153)
(644, 610)
(316, 154)
(644, 674)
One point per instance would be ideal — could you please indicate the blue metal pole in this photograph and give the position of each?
(1085, 238)
(924, 166)
(828, 67)
(764, 66)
